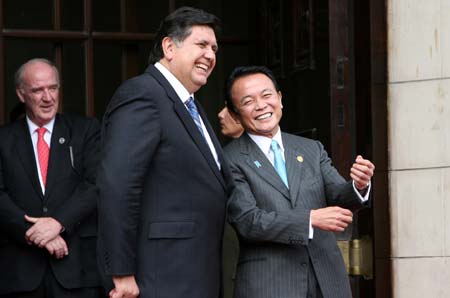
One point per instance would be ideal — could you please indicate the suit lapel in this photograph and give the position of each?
(294, 167)
(212, 163)
(58, 154)
(198, 139)
(256, 159)
(26, 155)
(189, 124)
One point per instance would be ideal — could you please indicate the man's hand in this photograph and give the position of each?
(125, 287)
(43, 230)
(334, 219)
(57, 247)
(361, 172)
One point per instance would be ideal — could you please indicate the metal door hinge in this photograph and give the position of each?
(358, 256)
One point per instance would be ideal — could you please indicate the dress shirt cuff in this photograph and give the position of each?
(364, 198)
(311, 229)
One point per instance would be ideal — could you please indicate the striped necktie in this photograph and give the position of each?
(279, 165)
(194, 114)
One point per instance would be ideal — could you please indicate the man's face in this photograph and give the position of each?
(192, 60)
(258, 104)
(229, 126)
(39, 92)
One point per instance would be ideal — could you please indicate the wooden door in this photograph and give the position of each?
(319, 51)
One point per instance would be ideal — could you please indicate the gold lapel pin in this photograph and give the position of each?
(300, 158)
(62, 140)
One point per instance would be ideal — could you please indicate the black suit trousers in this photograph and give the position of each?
(51, 288)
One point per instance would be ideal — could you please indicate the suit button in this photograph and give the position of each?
(304, 264)
(44, 209)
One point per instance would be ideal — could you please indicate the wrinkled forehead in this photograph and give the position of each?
(38, 74)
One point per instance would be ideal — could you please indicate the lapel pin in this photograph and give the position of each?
(62, 140)
(300, 158)
(257, 164)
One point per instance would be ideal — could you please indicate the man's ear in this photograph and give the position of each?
(168, 46)
(20, 95)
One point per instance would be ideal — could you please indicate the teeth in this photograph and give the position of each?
(264, 116)
(203, 67)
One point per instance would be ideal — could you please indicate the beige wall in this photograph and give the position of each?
(418, 108)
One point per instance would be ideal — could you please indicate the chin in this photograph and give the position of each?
(202, 80)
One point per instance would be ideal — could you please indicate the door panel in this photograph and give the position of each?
(323, 93)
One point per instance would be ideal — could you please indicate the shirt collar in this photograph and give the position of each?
(264, 142)
(32, 126)
(180, 90)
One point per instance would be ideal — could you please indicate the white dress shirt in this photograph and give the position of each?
(184, 95)
(264, 144)
(34, 138)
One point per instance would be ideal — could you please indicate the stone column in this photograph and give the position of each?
(418, 116)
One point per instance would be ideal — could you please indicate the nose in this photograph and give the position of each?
(210, 53)
(260, 104)
(221, 114)
(47, 94)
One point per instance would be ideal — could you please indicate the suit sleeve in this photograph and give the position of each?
(287, 226)
(12, 219)
(258, 225)
(130, 136)
(338, 191)
(83, 201)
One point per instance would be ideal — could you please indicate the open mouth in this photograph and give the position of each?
(264, 116)
(202, 67)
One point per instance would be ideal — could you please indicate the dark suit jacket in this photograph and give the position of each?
(273, 221)
(70, 197)
(162, 196)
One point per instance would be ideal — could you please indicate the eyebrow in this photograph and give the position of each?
(267, 89)
(43, 87)
(205, 41)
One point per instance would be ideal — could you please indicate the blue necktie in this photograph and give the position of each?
(279, 165)
(194, 114)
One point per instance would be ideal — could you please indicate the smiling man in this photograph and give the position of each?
(162, 193)
(288, 199)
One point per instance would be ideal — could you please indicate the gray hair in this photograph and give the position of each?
(18, 76)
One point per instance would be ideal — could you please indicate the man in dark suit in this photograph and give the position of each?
(47, 194)
(162, 191)
(288, 199)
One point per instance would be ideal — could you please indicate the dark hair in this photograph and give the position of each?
(243, 71)
(18, 76)
(178, 26)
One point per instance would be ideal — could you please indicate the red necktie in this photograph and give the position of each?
(43, 153)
